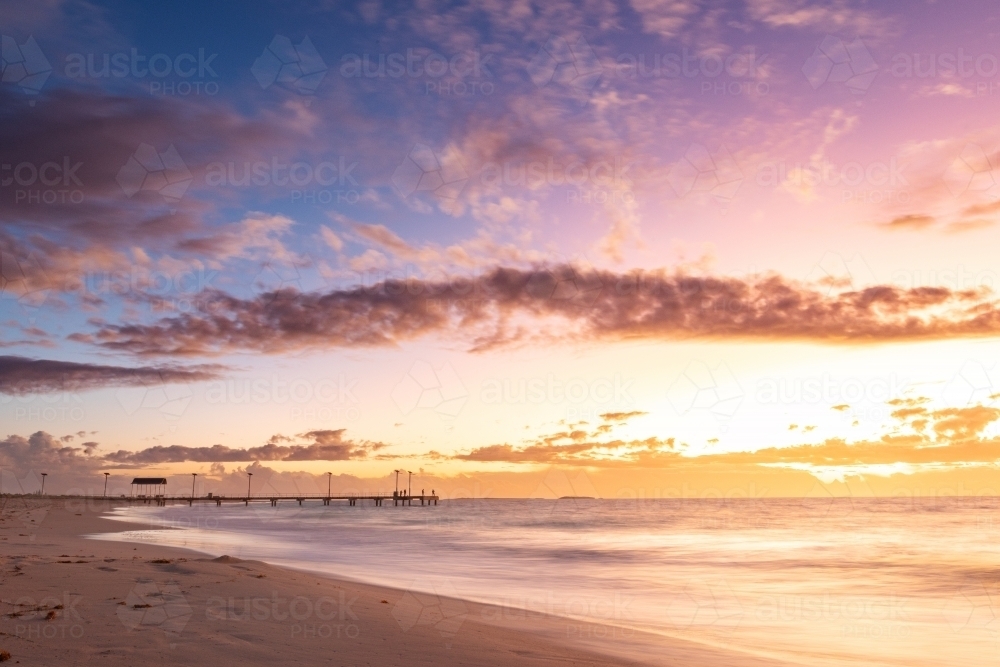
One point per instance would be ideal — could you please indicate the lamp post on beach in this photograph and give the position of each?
(329, 483)
(409, 483)
(106, 475)
(194, 476)
(397, 480)
(44, 475)
(249, 475)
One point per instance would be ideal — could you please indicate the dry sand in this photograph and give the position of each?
(69, 600)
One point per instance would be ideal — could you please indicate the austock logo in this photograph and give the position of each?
(283, 511)
(275, 276)
(170, 400)
(193, 71)
(837, 502)
(701, 388)
(424, 170)
(59, 618)
(23, 65)
(835, 61)
(557, 484)
(423, 387)
(567, 62)
(834, 273)
(440, 608)
(973, 384)
(699, 171)
(462, 74)
(572, 494)
(971, 172)
(149, 604)
(51, 182)
(307, 618)
(164, 173)
(973, 610)
(23, 279)
(578, 281)
(298, 68)
(711, 605)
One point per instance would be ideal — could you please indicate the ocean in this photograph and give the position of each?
(806, 581)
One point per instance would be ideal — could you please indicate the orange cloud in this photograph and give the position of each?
(956, 437)
(912, 221)
(622, 416)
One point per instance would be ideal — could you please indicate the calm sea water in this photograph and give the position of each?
(812, 582)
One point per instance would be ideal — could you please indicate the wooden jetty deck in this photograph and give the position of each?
(378, 499)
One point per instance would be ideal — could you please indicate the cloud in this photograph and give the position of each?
(20, 375)
(43, 452)
(969, 218)
(88, 136)
(331, 239)
(78, 140)
(621, 416)
(388, 241)
(950, 184)
(945, 88)
(255, 236)
(923, 438)
(833, 16)
(911, 221)
(664, 17)
(587, 452)
(326, 445)
(560, 303)
(956, 436)
(578, 447)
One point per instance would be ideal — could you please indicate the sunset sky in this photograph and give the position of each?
(643, 248)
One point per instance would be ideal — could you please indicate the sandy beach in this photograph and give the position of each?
(68, 600)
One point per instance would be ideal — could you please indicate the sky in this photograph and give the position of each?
(635, 249)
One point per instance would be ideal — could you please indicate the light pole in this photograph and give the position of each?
(329, 482)
(395, 494)
(249, 475)
(44, 475)
(194, 476)
(409, 483)
(106, 475)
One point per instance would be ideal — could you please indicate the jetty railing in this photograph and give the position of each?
(379, 499)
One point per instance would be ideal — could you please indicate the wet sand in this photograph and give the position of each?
(67, 600)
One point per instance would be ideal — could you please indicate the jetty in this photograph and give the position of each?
(153, 491)
(352, 500)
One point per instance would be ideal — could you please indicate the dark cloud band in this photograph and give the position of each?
(20, 375)
(511, 305)
(326, 445)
